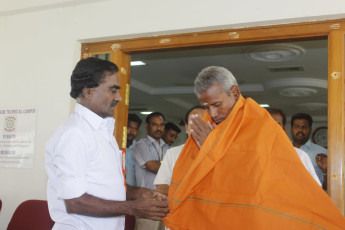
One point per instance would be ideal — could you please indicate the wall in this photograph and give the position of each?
(40, 46)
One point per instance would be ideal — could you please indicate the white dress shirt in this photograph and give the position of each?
(83, 157)
(312, 150)
(307, 164)
(166, 170)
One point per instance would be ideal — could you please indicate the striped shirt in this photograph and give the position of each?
(147, 149)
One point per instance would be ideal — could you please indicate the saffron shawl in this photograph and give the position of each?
(247, 176)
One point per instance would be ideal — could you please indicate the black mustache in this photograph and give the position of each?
(114, 103)
(300, 133)
(158, 131)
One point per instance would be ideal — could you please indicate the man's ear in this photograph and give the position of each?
(235, 91)
(87, 92)
(285, 128)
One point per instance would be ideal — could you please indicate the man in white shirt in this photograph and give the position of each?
(301, 128)
(164, 174)
(85, 178)
(280, 118)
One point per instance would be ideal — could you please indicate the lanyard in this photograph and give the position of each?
(159, 153)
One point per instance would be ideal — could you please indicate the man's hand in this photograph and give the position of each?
(150, 208)
(200, 129)
(153, 166)
(155, 195)
(163, 188)
(321, 161)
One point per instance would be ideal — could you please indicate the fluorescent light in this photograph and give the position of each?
(146, 112)
(136, 63)
(264, 105)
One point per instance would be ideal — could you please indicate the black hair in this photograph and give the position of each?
(172, 126)
(302, 116)
(189, 111)
(154, 114)
(277, 111)
(134, 118)
(89, 73)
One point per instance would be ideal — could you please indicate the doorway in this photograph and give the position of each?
(333, 30)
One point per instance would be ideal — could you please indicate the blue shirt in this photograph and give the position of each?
(130, 165)
(312, 150)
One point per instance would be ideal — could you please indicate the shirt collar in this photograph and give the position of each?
(132, 145)
(152, 140)
(308, 143)
(94, 120)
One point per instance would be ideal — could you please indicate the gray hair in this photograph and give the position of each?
(211, 75)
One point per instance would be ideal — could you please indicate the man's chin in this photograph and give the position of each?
(157, 137)
(218, 121)
(301, 141)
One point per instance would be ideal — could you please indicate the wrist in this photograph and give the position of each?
(130, 206)
(324, 173)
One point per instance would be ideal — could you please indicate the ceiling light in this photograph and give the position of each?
(136, 63)
(275, 52)
(146, 112)
(264, 105)
(297, 92)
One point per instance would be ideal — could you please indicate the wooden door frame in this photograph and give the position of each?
(333, 30)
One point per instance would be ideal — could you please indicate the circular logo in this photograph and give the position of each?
(10, 124)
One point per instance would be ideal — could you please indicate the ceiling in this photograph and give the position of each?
(165, 84)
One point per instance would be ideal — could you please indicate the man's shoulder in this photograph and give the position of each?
(173, 153)
(143, 140)
(74, 125)
(317, 148)
(175, 149)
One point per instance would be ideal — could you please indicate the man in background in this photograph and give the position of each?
(164, 174)
(280, 118)
(133, 126)
(148, 154)
(170, 134)
(301, 128)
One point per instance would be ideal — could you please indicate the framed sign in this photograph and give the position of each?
(17, 137)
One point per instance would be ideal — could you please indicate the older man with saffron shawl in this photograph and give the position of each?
(240, 170)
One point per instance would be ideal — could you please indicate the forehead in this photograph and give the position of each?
(156, 119)
(111, 79)
(212, 94)
(277, 117)
(133, 124)
(172, 132)
(301, 122)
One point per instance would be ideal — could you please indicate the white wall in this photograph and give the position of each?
(39, 48)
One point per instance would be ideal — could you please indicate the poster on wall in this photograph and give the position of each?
(17, 137)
